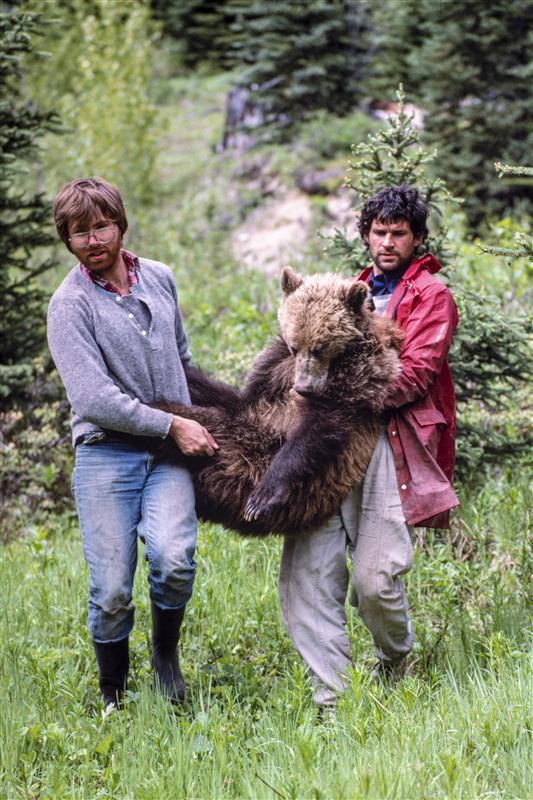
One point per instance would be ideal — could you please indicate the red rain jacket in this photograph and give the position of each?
(421, 427)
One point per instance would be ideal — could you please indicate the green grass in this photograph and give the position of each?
(456, 726)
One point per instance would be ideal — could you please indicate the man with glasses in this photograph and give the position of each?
(116, 336)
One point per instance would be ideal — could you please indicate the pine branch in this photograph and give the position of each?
(24, 218)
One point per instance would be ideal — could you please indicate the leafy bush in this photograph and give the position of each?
(97, 74)
(203, 32)
(325, 135)
(36, 454)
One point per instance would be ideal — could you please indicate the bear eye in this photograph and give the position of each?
(316, 352)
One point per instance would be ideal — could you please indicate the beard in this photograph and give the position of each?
(395, 266)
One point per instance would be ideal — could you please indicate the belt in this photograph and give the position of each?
(151, 443)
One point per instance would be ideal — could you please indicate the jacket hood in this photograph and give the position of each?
(426, 261)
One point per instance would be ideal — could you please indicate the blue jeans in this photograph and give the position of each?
(123, 492)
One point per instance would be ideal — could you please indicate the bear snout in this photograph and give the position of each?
(310, 382)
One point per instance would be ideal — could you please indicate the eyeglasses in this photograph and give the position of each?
(101, 235)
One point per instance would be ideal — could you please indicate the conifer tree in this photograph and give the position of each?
(470, 67)
(398, 33)
(523, 244)
(24, 217)
(201, 28)
(301, 57)
(490, 357)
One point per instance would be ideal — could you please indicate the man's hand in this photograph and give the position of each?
(191, 437)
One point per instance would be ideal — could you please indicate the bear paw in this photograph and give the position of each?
(263, 503)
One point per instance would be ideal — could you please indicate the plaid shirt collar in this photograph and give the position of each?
(132, 265)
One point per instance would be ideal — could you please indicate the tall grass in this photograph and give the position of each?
(456, 726)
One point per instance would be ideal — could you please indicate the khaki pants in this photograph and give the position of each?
(314, 576)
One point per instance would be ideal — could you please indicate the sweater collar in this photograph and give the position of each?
(132, 265)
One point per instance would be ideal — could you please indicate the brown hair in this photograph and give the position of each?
(80, 199)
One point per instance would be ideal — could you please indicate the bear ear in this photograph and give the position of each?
(290, 280)
(356, 294)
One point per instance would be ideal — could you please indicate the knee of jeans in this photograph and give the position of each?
(110, 624)
(173, 576)
(112, 599)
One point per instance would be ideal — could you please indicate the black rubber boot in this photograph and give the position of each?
(166, 624)
(113, 664)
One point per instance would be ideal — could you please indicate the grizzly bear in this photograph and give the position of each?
(299, 435)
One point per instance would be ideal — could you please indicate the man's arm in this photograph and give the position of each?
(95, 397)
(91, 391)
(427, 339)
(181, 336)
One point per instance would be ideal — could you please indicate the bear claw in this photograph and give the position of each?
(255, 508)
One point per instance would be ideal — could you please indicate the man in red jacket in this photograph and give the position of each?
(408, 479)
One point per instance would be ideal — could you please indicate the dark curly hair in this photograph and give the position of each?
(394, 203)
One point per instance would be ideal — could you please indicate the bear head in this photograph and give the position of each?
(320, 317)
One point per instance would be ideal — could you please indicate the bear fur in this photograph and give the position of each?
(299, 435)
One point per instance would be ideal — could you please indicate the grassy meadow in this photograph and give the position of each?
(456, 726)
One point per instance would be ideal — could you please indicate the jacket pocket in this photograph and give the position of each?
(428, 424)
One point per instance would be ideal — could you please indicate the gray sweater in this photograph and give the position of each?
(115, 355)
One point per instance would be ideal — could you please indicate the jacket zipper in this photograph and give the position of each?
(393, 315)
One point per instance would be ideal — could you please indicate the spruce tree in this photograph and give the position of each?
(523, 243)
(397, 34)
(24, 217)
(301, 57)
(490, 357)
(470, 67)
(202, 30)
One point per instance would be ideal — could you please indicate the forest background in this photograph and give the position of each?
(243, 135)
